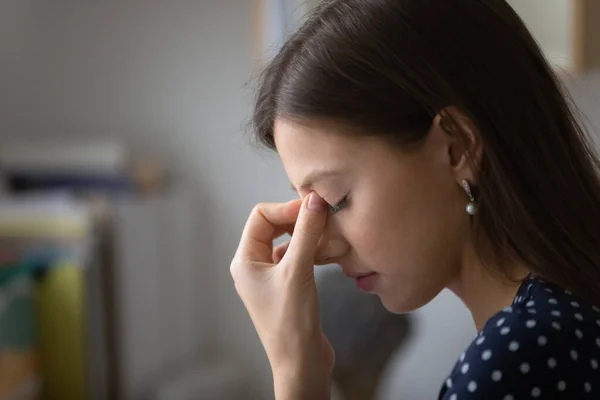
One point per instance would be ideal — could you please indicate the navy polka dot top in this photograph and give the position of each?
(545, 346)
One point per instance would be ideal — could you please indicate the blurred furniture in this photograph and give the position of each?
(567, 30)
(115, 301)
(118, 303)
(46, 240)
(206, 381)
(152, 277)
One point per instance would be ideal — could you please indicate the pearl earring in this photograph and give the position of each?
(471, 207)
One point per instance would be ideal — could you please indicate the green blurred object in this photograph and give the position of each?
(19, 374)
(16, 307)
(60, 312)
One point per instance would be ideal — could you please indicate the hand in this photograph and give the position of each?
(281, 295)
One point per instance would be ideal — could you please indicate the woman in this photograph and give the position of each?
(432, 147)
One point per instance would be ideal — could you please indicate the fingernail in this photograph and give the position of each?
(316, 203)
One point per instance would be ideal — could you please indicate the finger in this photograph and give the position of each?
(330, 250)
(321, 256)
(309, 228)
(279, 252)
(326, 251)
(328, 349)
(283, 229)
(266, 222)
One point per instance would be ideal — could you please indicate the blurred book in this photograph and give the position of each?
(43, 216)
(24, 182)
(95, 156)
(84, 168)
(50, 239)
(19, 359)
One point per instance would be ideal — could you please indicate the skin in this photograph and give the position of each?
(404, 220)
(405, 216)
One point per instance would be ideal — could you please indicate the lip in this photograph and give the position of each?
(359, 276)
(365, 281)
(356, 275)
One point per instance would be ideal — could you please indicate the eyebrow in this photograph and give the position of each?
(314, 177)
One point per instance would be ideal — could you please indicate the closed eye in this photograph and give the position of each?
(334, 209)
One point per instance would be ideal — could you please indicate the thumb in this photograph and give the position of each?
(309, 227)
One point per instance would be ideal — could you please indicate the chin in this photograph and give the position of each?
(398, 308)
(404, 305)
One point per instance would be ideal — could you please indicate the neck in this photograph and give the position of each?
(486, 290)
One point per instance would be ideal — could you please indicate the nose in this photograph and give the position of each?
(331, 249)
(332, 246)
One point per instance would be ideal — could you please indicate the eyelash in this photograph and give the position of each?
(336, 208)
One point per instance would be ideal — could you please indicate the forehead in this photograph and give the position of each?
(317, 145)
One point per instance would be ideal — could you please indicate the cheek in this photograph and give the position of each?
(411, 235)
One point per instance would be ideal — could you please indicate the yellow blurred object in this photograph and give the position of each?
(60, 310)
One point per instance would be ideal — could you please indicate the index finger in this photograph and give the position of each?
(310, 225)
(266, 222)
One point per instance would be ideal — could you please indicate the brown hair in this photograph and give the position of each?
(387, 67)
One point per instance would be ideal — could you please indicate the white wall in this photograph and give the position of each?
(585, 90)
(170, 77)
(551, 22)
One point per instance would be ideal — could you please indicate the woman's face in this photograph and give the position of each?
(399, 214)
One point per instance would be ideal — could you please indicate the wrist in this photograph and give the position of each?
(301, 381)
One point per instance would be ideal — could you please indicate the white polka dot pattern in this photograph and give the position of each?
(472, 386)
(574, 355)
(465, 368)
(542, 340)
(496, 376)
(486, 355)
(556, 325)
(546, 345)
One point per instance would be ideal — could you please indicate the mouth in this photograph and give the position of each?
(364, 281)
(359, 275)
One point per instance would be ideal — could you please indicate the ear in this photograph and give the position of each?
(466, 144)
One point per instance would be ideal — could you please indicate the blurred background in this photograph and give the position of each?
(126, 175)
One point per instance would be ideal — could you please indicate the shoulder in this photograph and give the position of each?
(500, 358)
(547, 345)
